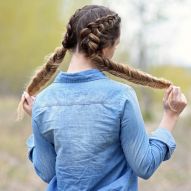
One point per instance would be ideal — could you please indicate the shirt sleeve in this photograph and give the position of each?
(41, 153)
(143, 153)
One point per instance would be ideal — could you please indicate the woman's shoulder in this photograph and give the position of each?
(43, 97)
(122, 88)
(118, 92)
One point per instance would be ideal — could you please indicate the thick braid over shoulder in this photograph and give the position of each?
(46, 71)
(129, 73)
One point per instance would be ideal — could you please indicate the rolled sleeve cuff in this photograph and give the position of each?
(165, 136)
(30, 146)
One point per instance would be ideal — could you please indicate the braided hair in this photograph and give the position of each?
(89, 30)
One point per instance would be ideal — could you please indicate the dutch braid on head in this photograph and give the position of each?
(70, 40)
(93, 39)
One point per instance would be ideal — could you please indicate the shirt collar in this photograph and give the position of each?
(82, 76)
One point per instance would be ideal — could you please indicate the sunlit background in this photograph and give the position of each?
(155, 38)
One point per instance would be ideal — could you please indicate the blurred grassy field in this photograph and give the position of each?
(17, 172)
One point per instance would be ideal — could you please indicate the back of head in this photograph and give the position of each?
(89, 30)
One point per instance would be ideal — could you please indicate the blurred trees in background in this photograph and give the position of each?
(29, 31)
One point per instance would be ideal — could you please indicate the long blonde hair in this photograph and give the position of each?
(91, 28)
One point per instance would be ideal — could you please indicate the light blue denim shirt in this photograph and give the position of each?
(89, 135)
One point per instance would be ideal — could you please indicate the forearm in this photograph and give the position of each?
(144, 153)
(41, 154)
(42, 158)
(168, 121)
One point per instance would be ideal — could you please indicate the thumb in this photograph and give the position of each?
(168, 92)
(28, 98)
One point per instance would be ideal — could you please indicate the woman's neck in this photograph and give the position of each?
(79, 63)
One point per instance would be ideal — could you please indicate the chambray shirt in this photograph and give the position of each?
(89, 135)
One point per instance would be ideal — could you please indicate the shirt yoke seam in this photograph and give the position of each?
(71, 104)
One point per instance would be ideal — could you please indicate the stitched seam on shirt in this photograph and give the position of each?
(100, 102)
(72, 104)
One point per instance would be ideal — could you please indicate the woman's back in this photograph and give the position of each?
(89, 135)
(80, 115)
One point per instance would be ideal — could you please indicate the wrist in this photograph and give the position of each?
(170, 115)
(169, 120)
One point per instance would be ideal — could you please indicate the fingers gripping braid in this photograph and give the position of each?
(90, 37)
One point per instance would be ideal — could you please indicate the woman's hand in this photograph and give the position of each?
(27, 104)
(174, 101)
